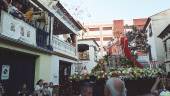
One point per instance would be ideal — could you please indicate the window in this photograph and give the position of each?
(22, 31)
(150, 30)
(12, 28)
(93, 29)
(165, 48)
(107, 28)
(28, 34)
(84, 55)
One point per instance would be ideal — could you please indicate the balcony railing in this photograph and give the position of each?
(42, 38)
(63, 47)
(59, 14)
(15, 28)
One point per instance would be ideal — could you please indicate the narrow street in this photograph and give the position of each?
(84, 48)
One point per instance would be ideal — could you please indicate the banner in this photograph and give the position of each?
(17, 29)
(5, 72)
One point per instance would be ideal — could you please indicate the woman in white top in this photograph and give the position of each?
(39, 88)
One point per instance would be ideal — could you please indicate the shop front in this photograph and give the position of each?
(16, 68)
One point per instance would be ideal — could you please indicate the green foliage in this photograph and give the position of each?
(96, 68)
(106, 58)
(126, 62)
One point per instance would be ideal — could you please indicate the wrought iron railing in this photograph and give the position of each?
(62, 46)
(42, 39)
(23, 31)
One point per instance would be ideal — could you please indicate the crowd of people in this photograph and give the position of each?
(45, 89)
(29, 13)
(42, 88)
(16, 8)
(115, 86)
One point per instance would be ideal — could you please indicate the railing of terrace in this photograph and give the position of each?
(62, 46)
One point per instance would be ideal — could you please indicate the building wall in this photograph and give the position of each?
(168, 55)
(93, 55)
(151, 42)
(158, 22)
(103, 32)
(90, 64)
(47, 65)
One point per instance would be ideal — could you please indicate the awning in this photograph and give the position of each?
(59, 28)
(165, 32)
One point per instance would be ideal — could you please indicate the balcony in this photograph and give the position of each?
(22, 31)
(59, 14)
(42, 39)
(17, 29)
(63, 47)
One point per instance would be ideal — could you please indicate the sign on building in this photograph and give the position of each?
(5, 72)
(17, 29)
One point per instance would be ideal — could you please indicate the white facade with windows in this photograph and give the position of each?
(91, 54)
(154, 26)
(54, 47)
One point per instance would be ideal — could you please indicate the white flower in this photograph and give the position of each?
(165, 93)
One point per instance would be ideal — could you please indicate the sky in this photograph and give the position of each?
(104, 11)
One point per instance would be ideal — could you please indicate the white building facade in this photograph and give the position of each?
(43, 49)
(88, 54)
(154, 26)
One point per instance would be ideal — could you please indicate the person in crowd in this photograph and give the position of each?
(161, 84)
(87, 89)
(84, 71)
(39, 88)
(168, 81)
(50, 88)
(24, 91)
(2, 91)
(115, 87)
(56, 90)
(157, 85)
(46, 91)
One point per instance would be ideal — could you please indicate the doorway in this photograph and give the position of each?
(64, 73)
(21, 70)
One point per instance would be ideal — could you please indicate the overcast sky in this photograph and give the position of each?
(93, 11)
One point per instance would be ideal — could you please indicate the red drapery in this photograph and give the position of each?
(127, 52)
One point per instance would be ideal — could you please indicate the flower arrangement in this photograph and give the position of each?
(135, 72)
(131, 73)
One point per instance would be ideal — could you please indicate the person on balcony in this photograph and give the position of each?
(14, 10)
(115, 87)
(29, 14)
